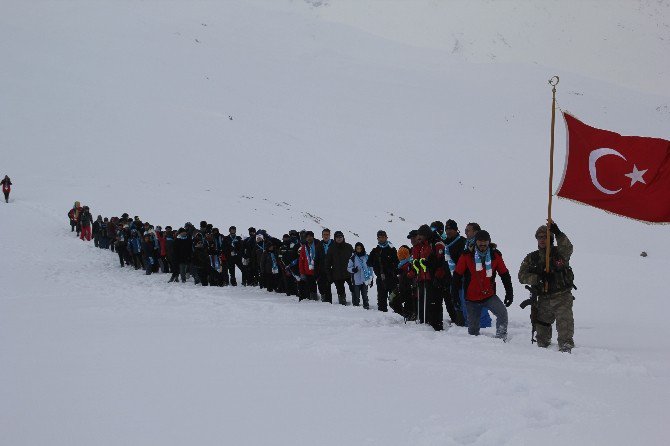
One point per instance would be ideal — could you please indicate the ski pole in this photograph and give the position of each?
(425, 300)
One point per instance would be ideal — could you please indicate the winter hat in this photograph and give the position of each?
(381, 233)
(542, 230)
(425, 231)
(437, 226)
(413, 233)
(482, 236)
(451, 224)
(259, 237)
(403, 252)
(338, 234)
(252, 229)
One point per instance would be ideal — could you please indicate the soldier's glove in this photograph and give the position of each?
(546, 277)
(553, 227)
(508, 299)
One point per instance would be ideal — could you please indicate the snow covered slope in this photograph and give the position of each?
(284, 115)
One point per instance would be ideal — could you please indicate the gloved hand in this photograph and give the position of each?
(372, 283)
(508, 299)
(546, 277)
(553, 227)
(354, 269)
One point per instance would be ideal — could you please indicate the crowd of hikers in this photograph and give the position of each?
(437, 266)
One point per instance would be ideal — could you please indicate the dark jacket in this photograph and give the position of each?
(266, 261)
(183, 249)
(86, 218)
(232, 246)
(337, 260)
(200, 257)
(384, 261)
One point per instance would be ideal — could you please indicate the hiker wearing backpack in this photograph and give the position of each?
(384, 259)
(6, 187)
(85, 222)
(553, 288)
(361, 274)
(73, 214)
(483, 264)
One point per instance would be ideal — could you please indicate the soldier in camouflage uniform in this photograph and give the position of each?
(555, 304)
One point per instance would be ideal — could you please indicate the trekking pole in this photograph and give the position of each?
(425, 300)
(416, 269)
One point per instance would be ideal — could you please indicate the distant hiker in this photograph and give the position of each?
(233, 250)
(384, 260)
(148, 253)
(183, 252)
(554, 303)
(135, 248)
(85, 221)
(249, 259)
(308, 265)
(325, 280)
(361, 274)
(483, 263)
(270, 267)
(73, 215)
(6, 187)
(201, 263)
(288, 259)
(96, 231)
(337, 260)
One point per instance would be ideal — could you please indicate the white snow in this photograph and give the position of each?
(125, 106)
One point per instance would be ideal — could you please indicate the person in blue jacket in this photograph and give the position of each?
(135, 248)
(361, 274)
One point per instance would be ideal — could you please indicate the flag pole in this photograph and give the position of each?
(553, 82)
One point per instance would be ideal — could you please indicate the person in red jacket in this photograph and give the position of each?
(483, 263)
(6, 187)
(309, 258)
(428, 269)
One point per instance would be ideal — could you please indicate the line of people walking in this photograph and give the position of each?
(437, 266)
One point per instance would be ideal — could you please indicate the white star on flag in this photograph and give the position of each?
(636, 176)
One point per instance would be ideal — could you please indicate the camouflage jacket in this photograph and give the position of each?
(534, 264)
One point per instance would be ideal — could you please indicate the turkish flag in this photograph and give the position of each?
(625, 175)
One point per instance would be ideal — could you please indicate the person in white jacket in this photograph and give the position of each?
(361, 274)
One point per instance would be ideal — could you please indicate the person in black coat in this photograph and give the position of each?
(233, 248)
(384, 261)
(6, 187)
(337, 260)
(183, 252)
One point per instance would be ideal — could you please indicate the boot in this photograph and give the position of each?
(342, 299)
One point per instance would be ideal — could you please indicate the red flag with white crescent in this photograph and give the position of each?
(625, 175)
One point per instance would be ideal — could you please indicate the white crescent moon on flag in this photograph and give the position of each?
(593, 157)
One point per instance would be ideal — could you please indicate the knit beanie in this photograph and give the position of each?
(403, 253)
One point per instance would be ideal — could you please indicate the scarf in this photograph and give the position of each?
(383, 245)
(275, 269)
(404, 262)
(447, 255)
(310, 251)
(487, 262)
(326, 246)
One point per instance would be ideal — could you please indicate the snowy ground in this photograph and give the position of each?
(125, 107)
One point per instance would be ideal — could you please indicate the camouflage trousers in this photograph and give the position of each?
(555, 308)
